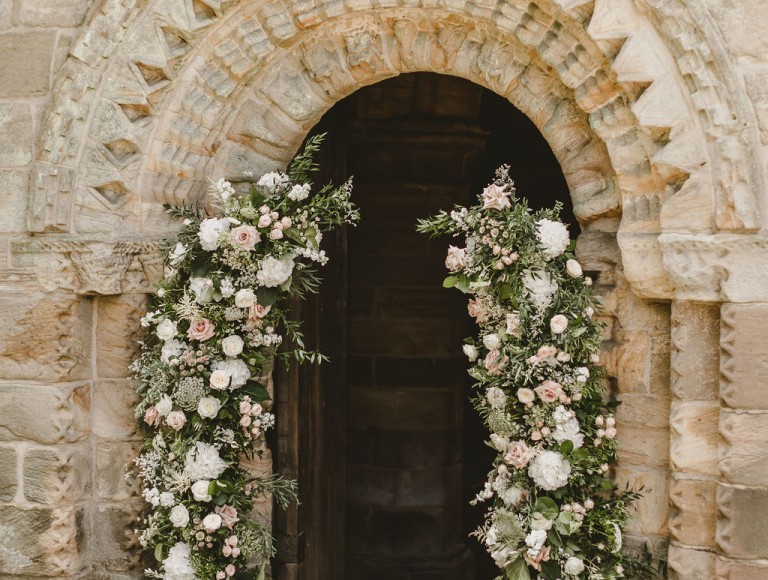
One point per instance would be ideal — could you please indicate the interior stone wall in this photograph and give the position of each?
(656, 109)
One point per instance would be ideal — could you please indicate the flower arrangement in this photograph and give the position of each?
(213, 330)
(553, 510)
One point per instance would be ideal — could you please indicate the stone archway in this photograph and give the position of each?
(638, 101)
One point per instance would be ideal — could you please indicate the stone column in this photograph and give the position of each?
(742, 490)
(693, 445)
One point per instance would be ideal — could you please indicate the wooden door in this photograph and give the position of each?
(311, 415)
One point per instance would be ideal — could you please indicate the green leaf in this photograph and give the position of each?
(462, 284)
(578, 331)
(257, 391)
(505, 291)
(266, 296)
(547, 507)
(517, 570)
(566, 447)
(606, 484)
(554, 538)
(550, 570)
(311, 234)
(159, 552)
(450, 282)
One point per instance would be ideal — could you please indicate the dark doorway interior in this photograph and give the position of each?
(413, 453)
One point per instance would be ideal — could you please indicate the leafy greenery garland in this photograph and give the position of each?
(554, 511)
(213, 331)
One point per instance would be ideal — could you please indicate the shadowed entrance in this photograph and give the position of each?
(413, 453)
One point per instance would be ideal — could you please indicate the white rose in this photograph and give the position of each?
(167, 499)
(492, 341)
(220, 380)
(558, 324)
(245, 298)
(179, 516)
(539, 522)
(540, 287)
(164, 405)
(200, 490)
(232, 345)
(176, 420)
(573, 566)
(237, 370)
(202, 288)
(470, 351)
(208, 407)
(212, 522)
(166, 330)
(176, 256)
(526, 396)
(573, 268)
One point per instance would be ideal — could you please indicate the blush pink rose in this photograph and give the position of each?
(476, 311)
(246, 237)
(457, 258)
(255, 314)
(542, 556)
(228, 515)
(495, 197)
(494, 363)
(201, 329)
(549, 391)
(517, 454)
(151, 415)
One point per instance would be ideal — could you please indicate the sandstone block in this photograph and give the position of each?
(693, 515)
(59, 474)
(115, 546)
(743, 358)
(117, 331)
(16, 134)
(6, 13)
(57, 14)
(694, 439)
(742, 521)
(41, 543)
(633, 363)
(25, 62)
(13, 200)
(47, 415)
(652, 509)
(113, 403)
(744, 449)
(8, 478)
(643, 411)
(638, 446)
(46, 337)
(636, 313)
(695, 350)
(112, 461)
(687, 563)
(726, 569)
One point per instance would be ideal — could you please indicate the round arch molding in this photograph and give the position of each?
(159, 95)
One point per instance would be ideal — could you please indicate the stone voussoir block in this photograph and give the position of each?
(726, 569)
(695, 357)
(693, 518)
(686, 563)
(117, 332)
(57, 474)
(744, 447)
(44, 414)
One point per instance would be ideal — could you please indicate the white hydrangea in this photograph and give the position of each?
(237, 371)
(177, 254)
(553, 237)
(567, 428)
(535, 540)
(172, 349)
(202, 288)
(177, 565)
(224, 189)
(203, 462)
(299, 192)
(540, 288)
(210, 232)
(270, 182)
(549, 470)
(274, 272)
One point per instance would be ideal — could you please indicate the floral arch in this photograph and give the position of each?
(637, 100)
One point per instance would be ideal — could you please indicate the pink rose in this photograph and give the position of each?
(230, 570)
(542, 556)
(228, 515)
(264, 221)
(494, 363)
(201, 329)
(151, 415)
(517, 454)
(246, 237)
(255, 313)
(245, 407)
(176, 420)
(457, 258)
(256, 409)
(276, 234)
(245, 421)
(476, 311)
(549, 391)
(495, 197)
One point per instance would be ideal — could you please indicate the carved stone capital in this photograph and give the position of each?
(717, 267)
(92, 266)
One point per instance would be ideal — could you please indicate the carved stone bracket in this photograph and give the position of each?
(717, 268)
(93, 267)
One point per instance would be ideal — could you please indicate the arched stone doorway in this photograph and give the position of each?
(396, 451)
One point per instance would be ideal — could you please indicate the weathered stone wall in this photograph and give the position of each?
(656, 109)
